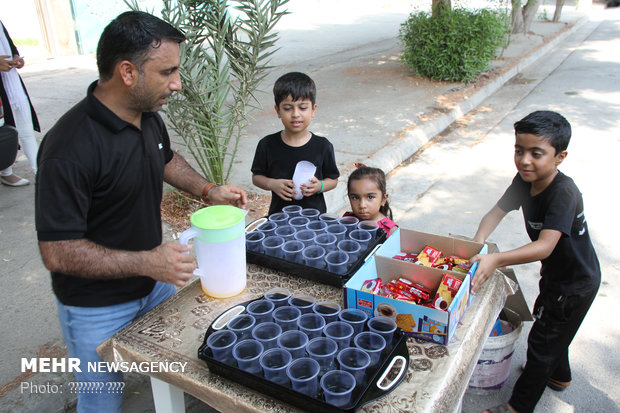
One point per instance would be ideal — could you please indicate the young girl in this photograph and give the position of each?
(368, 197)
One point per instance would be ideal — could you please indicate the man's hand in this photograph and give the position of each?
(228, 195)
(6, 63)
(487, 265)
(171, 263)
(311, 188)
(284, 188)
(18, 62)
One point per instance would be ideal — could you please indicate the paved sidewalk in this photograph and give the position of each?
(369, 105)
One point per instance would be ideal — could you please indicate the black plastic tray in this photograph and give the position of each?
(311, 273)
(382, 379)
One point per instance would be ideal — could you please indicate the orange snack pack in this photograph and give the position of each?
(429, 256)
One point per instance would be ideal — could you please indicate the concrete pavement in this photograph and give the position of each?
(370, 107)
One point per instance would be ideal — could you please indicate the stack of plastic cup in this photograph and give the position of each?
(355, 317)
(306, 236)
(362, 237)
(254, 241)
(328, 310)
(221, 344)
(314, 256)
(340, 332)
(247, 354)
(338, 387)
(274, 363)
(370, 226)
(279, 218)
(383, 326)
(337, 262)
(304, 376)
(350, 222)
(310, 213)
(294, 341)
(371, 343)
(267, 334)
(302, 301)
(292, 210)
(338, 230)
(323, 350)
(285, 231)
(267, 228)
(312, 324)
(278, 295)
(355, 361)
(261, 310)
(326, 241)
(286, 317)
(272, 245)
(242, 326)
(292, 251)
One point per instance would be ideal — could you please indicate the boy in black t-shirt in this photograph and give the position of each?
(570, 272)
(277, 154)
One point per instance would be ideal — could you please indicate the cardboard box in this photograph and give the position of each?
(416, 320)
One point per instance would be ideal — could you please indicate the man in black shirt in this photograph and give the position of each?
(98, 195)
(570, 273)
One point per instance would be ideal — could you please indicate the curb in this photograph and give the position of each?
(410, 141)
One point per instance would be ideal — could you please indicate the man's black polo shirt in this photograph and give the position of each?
(100, 178)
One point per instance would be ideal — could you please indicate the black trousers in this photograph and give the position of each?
(558, 318)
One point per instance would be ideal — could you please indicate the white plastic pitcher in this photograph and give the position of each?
(304, 171)
(219, 242)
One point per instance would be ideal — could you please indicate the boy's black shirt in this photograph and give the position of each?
(573, 266)
(275, 159)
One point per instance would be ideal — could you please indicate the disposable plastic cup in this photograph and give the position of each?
(323, 350)
(306, 236)
(337, 262)
(254, 241)
(294, 341)
(327, 241)
(338, 387)
(351, 248)
(261, 310)
(292, 210)
(247, 353)
(355, 317)
(314, 256)
(371, 343)
(286, 317)
(340, 332)
(355, 361)
(273, 246)
(350, 222)
(221, 344)
(286, 231)
(279, 218)
(278, 295)
(384, 326)
(299, 223)
(329, 218)
(304, 376)
(267, 228)
(370, 226)
(362, 237)
(319, 227)
(304, 171)
(242, 326)
(328, 310)
(302, 301)
(338, 230)
(312, 324)
(267, 334)
(292, 251)
(274, 363)
(310, 213)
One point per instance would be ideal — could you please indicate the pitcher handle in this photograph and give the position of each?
(187, 235)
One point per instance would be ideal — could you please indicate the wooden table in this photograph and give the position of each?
(435, 381)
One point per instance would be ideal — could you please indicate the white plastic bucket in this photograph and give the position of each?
(493, 367)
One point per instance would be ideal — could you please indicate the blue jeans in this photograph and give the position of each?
(84, 328)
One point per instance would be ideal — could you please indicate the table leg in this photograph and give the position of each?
(167, 398)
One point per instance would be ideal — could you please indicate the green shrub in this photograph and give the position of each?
(455, 46)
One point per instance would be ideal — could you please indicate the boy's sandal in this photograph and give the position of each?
(558, 385)
(502, 408)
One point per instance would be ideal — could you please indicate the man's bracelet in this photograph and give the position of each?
(205, 191)
(320, 190)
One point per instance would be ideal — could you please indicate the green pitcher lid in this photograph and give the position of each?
(217, 217)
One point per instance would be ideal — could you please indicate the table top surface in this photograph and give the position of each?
(435, 381)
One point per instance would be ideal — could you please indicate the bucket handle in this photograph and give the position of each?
(372, 252)
(396, 379)
(254, 224)
(224, 318)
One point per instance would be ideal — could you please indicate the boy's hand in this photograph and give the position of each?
(284, 188)
(311, 188)
(487, 265)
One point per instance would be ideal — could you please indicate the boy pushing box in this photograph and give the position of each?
(570, 272)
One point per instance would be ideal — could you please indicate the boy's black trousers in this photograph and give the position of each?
(558, 318)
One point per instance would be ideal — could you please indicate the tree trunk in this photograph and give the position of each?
(517, 17)
(558, 10)
(439, 6)
(529, 13)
